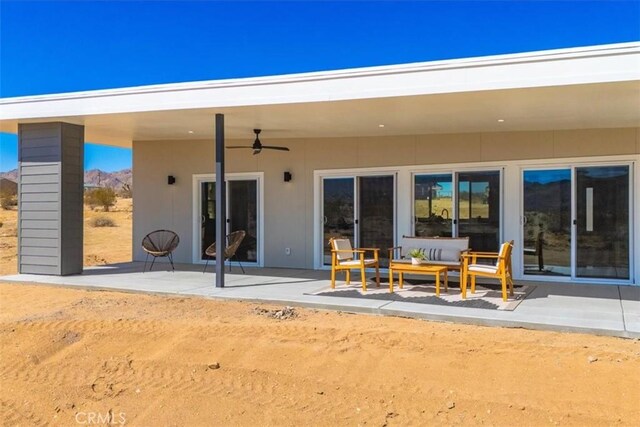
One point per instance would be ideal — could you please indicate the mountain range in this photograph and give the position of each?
(93, 177)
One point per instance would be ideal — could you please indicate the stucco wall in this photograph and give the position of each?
(288, 216)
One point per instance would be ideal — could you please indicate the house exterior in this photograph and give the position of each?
(541, 148)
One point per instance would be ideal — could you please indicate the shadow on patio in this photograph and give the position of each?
(599, 309)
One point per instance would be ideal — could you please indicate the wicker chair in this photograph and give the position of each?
(233, 243)
(160, 243)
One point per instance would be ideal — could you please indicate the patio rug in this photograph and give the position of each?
(424, 292)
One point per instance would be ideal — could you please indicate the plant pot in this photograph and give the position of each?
(416, 261)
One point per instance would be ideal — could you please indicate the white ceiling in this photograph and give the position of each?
(561, 107)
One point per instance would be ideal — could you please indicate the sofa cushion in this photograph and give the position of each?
(483, 268)
(367, 261)
(434, 254)
(441, 248)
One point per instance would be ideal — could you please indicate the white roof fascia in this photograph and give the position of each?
(584, 65)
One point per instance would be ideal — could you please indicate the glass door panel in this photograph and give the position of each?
(338, 210)
(376, 214)
(547, 222)
(433, 205)
(479, 209)
(602, 222)
(243, 215)
(208, 216)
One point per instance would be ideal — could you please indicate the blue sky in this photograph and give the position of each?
(95, 45)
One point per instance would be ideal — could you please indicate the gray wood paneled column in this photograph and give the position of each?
(50, 198)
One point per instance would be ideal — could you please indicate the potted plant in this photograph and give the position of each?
(417, 256)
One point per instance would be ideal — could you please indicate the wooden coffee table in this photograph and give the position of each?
(402, 266)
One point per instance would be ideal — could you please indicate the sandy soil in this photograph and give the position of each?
(99, 247)
(71, 356)
(158, 360)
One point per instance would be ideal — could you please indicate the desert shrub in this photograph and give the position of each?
(104, 197)
(7, 200)
(1, 224)
(102, 221)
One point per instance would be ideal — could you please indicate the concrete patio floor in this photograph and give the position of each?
(597, 309)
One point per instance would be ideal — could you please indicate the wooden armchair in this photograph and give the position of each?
(501, 270)
(345, 258)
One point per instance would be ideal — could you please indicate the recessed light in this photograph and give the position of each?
(380, 126)
(190, 131)
(500, 120)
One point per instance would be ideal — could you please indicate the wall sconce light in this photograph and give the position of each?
(171, 180)
(287, 176)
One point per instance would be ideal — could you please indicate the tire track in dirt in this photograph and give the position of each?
(14, 415)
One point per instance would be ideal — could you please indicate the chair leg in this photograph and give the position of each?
(333, 278)
(205, 265)
(463, 284)
(473, 284)
(364, 279)
(145, 262)
(173, 269)
(348, 272)
(446, 281)
(152, 262)
(241, 267)
(377, 275)
(503, 280)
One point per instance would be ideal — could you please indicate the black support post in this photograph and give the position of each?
(221, 202)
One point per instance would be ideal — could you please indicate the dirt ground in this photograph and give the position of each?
(70, 357)
(102, 245)
(146, 360)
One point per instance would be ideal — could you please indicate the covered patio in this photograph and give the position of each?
(539, 148)
(597, 309)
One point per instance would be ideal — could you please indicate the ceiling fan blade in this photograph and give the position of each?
(271, 147)
(239, 146)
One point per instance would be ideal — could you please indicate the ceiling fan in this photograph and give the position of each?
(257, 146)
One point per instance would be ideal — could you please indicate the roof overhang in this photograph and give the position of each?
(597, 86)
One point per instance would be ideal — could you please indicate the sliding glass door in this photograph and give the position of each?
(338, 205)
(433, 205)
(464, 204)
(576, 222)
(479, 209)
(547, 222)
(376, 209)
(360, 208)
(602, 222)
(242, 214)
